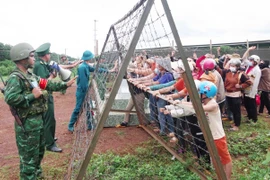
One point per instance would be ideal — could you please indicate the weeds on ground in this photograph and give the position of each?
(150, 161)
(250, 150)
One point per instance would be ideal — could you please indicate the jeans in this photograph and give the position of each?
(162, 117)
(153, 108)
(228, 111)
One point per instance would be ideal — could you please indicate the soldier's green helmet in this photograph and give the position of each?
(20, 51)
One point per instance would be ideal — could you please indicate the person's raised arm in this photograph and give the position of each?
(246, 54)
(200, 59)
(218, 52)
(195, 57)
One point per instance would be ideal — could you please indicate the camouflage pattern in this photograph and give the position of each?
(42, 69)
(18, 93)
(31, 147)
(65, 62)
(31, 143)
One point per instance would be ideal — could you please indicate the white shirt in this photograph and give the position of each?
(255, 76)
(214, 121)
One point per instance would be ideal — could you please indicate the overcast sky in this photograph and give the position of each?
(69, 24)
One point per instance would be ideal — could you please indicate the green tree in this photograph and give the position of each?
(226, 50)
(6, 66)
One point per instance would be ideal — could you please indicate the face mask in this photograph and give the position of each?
(157, 71)
(176, 75)
(250, 63)
(233, 69)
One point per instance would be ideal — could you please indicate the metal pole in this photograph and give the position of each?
(247, 48)
(139, 114)
(90, 150)
(189, 82)
(103, 48)
(115, 88)
(95, 38)
(117, 43)
(211, 48)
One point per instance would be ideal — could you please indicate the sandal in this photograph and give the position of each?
(235, 128)
(171, 134)
(122, 125)
(173, 140)
(225, 119)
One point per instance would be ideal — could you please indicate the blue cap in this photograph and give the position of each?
(87, 55)
(208, 88)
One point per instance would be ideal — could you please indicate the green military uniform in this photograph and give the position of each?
(31, 144)
(42, 69)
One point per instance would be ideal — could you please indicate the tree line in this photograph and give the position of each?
(6, 66)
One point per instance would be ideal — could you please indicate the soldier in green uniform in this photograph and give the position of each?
(64, 60)
(27, 94)
(44, 70)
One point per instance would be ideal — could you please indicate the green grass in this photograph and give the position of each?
(54, 172)
(151, 161)
(248, 148)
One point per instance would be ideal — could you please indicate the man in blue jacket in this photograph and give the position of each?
(82, 87)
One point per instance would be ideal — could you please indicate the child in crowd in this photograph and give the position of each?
(208, 91)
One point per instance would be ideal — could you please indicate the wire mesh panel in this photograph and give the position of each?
(173, 124)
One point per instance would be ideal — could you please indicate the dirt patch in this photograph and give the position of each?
(120, 140)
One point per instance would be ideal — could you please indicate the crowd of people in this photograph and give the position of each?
(224, 84)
